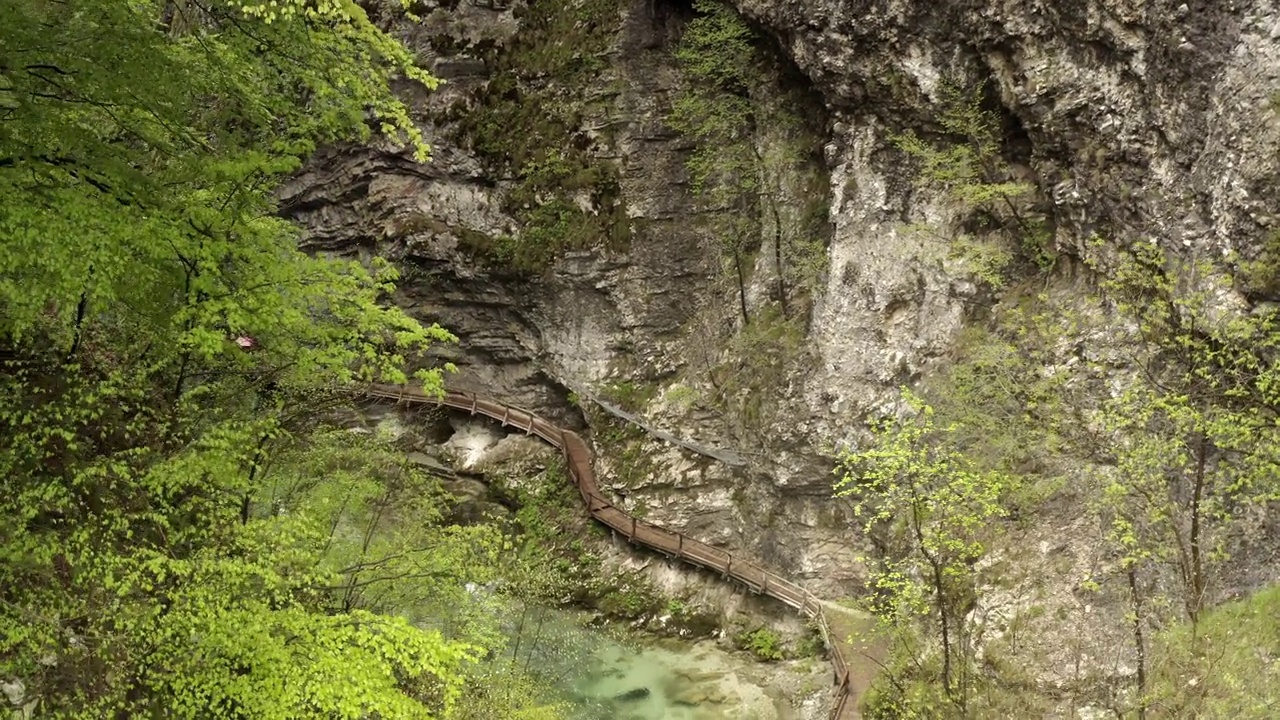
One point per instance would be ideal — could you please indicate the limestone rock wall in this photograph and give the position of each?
(1134, 121)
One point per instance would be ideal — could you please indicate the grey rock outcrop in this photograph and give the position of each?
(1138, 121)
(1134, 121)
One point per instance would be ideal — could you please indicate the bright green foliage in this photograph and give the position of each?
(965, 169)
(546, 564)
(136, 170)
(717, 55)
(178, 539)
(1260, 275)
(258, 662)
(763, 643)
(1011, 397)
(1192, 445)
(1181, 458)
(387, 539)
(504, 691)
(1224, 666)
(935, 514)
(1194, 437)
(976, 178)
(156, 566)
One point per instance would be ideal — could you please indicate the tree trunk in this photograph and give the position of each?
(1195, 588)
(742, 284)
(1139, 641)
(82, 308)
(777, 255)
(944, 620)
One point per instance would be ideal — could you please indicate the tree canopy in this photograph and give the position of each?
(181, 535)
(139, 148)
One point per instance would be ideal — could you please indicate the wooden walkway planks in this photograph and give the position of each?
(742, 569)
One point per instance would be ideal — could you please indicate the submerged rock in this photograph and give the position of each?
(639, 693)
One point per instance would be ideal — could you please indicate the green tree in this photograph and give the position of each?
(934, 515)
(970, 168)
(717, 56)
(148, 564)
(746, 150)
(1190, 443)
(140, 145)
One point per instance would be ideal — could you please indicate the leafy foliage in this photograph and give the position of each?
(1176, 463)
(934, 514)
(1192, 443)
(747, 153)
(974, 175)
(564, 197)
(1012, 398)
(155, 565)
(763, 643)
(155, 178)
(180, 537)
(1223, 666)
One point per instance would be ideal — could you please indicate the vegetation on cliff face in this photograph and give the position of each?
(759, 191)
(1165, 439)
(933, 511)
(527, 124)
(751, 152)
(1138, 408)
(1002, 232)
(182, 536)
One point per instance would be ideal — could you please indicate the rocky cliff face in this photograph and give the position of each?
(595, 318)
(1128, 121)
(1136, 121)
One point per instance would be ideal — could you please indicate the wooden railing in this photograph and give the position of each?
(673, 544)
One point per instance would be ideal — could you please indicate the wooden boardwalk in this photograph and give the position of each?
(849, 681)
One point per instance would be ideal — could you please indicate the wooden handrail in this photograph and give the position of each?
(695, 552)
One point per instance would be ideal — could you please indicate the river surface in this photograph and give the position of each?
(697, 682)
(608, 674)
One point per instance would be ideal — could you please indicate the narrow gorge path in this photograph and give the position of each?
(852, 667)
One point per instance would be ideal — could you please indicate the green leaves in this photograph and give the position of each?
(718, 58)
(970, 169)
(913, 467)
(204, 585)
(1192, 439)
(257, 662)
(147, 565)
(1224, 666)
(717, 47)
(935, 514)
(136, 176)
